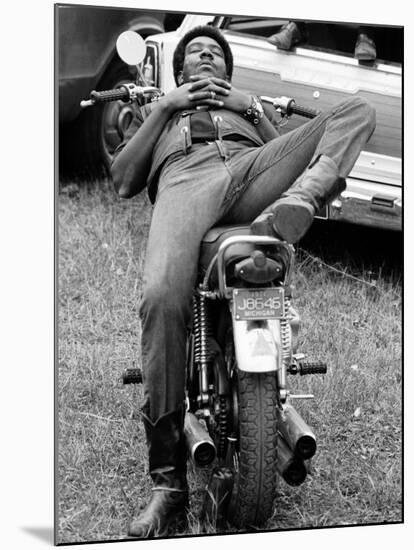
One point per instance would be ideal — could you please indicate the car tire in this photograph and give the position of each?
(87, 145)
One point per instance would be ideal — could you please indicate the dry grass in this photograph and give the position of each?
(356, 327)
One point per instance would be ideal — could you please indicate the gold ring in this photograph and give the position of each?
(213, 94)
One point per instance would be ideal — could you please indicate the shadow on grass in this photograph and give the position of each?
(361, 248)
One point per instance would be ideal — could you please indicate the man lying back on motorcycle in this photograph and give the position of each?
(209, 153)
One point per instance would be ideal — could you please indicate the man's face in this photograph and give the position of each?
(204, 57)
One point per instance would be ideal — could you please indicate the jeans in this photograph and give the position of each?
(222, 182)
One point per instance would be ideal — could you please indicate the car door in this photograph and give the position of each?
(320, 73)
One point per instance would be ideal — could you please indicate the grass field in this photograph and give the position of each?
(348, 293)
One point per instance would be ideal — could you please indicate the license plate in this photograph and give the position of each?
(257, 303)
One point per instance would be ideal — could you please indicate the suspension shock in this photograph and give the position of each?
(286, 333)
(286, 338)
(196, 329)
(202, 353)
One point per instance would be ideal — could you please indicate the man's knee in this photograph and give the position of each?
(155, 295)
(362, 109)
(160, 296)
(366, 110)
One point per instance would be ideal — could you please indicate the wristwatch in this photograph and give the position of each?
(254, 113)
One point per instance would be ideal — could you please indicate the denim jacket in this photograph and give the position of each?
(176, 136)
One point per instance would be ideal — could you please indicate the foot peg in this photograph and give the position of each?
(308, 367)
(132, 376)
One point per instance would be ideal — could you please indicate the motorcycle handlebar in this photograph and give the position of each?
(287, 106)
(306, 112)
(110, 95)
(127, 92)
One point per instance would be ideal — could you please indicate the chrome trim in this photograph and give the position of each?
(374, 167)
(302, 396)
(369, 203)
(155, 56)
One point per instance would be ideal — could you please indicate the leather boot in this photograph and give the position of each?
(167, 463)
(365, 49)
(291, 216)
(288, 36)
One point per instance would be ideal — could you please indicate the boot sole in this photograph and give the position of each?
(177, 523)
(291, 221)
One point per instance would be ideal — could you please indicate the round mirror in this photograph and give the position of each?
(131, 47)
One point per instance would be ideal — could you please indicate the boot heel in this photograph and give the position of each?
(262, 225)
(291, 220)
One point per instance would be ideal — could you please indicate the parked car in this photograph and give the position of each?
(318, 74)
(86, 59)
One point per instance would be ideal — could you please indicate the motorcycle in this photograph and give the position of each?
(241, 349)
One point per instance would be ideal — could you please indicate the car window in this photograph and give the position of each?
(337, 38)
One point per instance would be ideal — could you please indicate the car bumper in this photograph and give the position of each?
(368, 203)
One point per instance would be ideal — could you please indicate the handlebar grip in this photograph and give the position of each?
(306, 112)
(106, 96)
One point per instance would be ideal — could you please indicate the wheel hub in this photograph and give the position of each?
(116, 120)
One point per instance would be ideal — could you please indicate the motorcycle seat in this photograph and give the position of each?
(213, 239)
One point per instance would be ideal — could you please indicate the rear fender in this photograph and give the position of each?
(258, 346)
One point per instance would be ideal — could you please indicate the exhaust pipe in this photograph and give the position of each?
(297, 434)
(199, 443)
(290, 467)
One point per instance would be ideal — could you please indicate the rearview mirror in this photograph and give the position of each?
(131, 47)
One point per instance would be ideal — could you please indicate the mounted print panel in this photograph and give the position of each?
(229, 221)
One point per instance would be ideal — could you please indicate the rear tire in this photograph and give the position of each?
(255, 459)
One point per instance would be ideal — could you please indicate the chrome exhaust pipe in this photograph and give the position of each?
(199, 443)
(297, 434)
(289, 466)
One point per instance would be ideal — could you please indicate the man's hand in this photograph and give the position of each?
(206, 91)
(192, 95)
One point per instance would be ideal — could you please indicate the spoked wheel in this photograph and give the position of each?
(255, 453)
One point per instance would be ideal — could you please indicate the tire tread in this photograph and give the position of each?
(256, 484)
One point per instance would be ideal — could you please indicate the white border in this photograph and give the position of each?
(26, 286)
